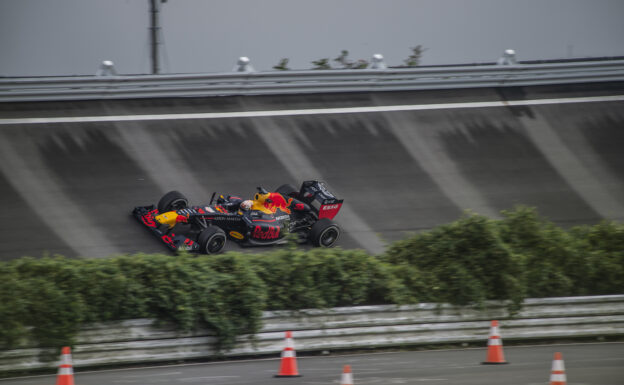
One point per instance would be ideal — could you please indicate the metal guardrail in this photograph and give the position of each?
(312, 81)
(137, 341)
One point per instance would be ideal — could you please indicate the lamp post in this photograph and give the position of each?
(155, 34)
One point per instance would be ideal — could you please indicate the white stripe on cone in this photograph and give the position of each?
(558, 365)
(66, 359)
(65, 371)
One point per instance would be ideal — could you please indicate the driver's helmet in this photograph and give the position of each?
(246, 205)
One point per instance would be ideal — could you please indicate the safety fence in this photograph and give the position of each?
(361, 327)
(311, 81)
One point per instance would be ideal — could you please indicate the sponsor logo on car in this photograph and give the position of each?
(227, 218)
(271, 232)
(276, 202)
(148, 219)
(169, 241)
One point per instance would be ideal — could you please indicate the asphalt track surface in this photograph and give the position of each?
(403, 161)
(585, 364)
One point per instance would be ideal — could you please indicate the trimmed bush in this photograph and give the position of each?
(462, 263)
(603, 247)
(553, 265)
(13, 308)
(322, 278)
(47, 299)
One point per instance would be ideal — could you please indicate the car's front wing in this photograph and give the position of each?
(146, 216)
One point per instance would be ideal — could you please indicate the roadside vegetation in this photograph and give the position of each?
(344, 62)
(43, 302)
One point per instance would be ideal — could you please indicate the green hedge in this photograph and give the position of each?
(47, 299)
(461, 263)
(322, 278)
(585, 260)
(44, 301)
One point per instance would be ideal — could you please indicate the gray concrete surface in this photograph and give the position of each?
(69, 187)
(586, 364)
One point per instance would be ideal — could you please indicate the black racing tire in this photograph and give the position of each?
(324, 233)
(211, 240)
(287, 190)
(171, 201)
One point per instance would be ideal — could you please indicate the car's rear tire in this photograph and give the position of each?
(287, 190)
(171, 201)
(211, 240)
(324, 233)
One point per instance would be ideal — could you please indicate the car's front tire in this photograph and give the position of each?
(211, 240)
(324, 233)
(171, 201)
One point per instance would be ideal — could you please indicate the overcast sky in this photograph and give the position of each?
(72, 37)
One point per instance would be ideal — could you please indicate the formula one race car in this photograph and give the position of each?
(306, 213)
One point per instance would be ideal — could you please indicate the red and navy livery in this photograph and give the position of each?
(306, 213)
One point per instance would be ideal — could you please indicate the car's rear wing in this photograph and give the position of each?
(317, 195)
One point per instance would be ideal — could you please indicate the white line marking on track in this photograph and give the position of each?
(312, 111)
(205, 378)
(155, 375)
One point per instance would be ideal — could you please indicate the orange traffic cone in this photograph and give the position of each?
(288, 366)
(495, 347)
(347, 377)
(66, 372)
(557, 373)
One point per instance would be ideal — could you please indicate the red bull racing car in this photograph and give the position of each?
(306, 213)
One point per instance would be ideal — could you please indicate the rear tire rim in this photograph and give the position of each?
(329, 237)
(215, 244)
(178, 204)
